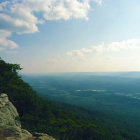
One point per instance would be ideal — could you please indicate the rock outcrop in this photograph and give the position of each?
(8, 113)
(10, 126)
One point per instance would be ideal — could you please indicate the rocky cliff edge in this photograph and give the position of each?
(10, 126)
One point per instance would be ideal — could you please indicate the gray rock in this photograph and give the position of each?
(8, 112)
(42, 136)
(10, 126)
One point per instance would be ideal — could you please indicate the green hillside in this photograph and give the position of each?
(111, 102)
(38, 115)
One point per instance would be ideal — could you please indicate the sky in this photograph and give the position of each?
(46, 36)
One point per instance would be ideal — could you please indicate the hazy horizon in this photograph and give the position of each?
(84, 72)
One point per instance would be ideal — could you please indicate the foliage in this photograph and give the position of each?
(38, 115)
(111, 102)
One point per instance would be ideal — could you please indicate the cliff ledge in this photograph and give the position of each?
(10, 126)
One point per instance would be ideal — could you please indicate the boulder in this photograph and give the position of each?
(42, 136)
(10, 126)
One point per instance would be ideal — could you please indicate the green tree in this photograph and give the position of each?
(38, 115)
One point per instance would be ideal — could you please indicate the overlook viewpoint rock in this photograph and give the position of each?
(10, 126)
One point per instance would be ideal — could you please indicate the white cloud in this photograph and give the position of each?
(67, 9)
(115, 56)
(131, 44)
(99, 49)
(20, 16)
(98, 1)
(16, 17)
(114, 47)
(6, 43)
(80, 53)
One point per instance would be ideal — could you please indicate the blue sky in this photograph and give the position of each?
(71, 35)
